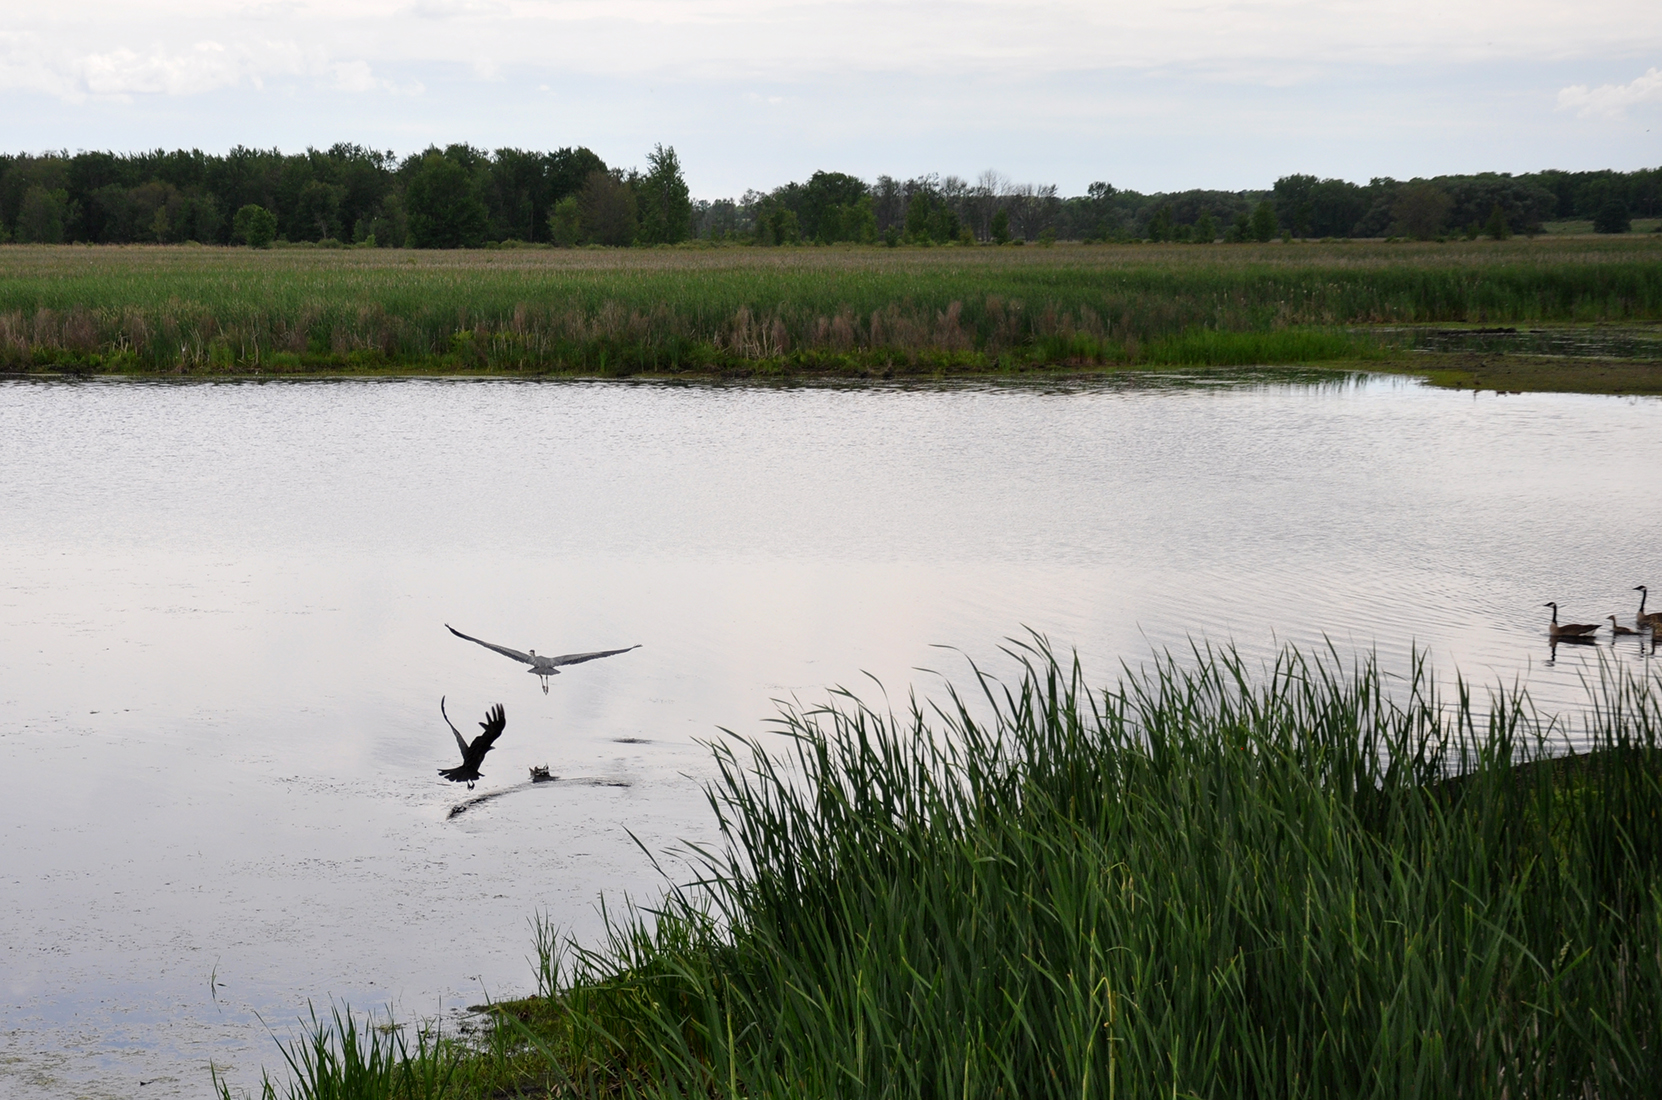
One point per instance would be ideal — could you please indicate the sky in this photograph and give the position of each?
(1150, 95)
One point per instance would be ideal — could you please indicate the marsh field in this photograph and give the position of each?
(853, 311)
(1119, 732)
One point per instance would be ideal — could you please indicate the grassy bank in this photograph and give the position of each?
(760, 312)
(1206, 881)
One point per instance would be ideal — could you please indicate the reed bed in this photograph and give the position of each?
(195, 310)
(1204, 881)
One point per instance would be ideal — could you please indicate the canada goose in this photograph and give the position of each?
(542, 666)
(474, 754)
(1652, 621)
(1617, 628)
(1568, 630)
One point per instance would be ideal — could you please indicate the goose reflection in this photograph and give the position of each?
(542, 666)
(1574, 641)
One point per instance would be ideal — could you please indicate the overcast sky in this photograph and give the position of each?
(1145, 94)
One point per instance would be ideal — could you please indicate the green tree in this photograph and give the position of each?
(389, 227)
(565, 223)
(40, 218)
(444, 205)
(943, 223)
(1160, 225)
(665, 208)
(254, 226)
(855, 221)
(830, 208)
(1420, 210)
(565, 171)
(606, 212)
(1612, 217)
(917, 216)
(778, 225)
(1001, 226)
(1263, 225)
(317, 211)
(1206, 228)
(1294, 198)
(1496, 226)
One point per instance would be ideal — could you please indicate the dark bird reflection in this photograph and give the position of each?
(473, 754)
(542, 666)
(1574, 641)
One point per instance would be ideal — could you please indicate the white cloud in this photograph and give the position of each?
(204, 68)
(359, 76)
(1245, 40)
(1611, 99)
(887, 85)
(456, 9)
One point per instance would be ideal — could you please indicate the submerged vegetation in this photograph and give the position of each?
(1205, 881)
(848, 310)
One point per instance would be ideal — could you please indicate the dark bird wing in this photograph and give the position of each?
(461, 742)
(502, 649)
(496, 719)
(579, 658)
(473, 755)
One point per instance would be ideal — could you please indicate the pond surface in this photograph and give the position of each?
(222, 641)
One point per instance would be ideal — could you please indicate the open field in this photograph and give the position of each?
(739, 311)
(1203, 882)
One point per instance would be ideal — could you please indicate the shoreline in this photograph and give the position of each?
(1502, 373)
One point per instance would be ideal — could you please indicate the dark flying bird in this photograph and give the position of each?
(474, 754)
(542, 666)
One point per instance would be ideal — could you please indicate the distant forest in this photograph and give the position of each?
(460, 196)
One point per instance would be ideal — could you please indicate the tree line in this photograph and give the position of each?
(461, 196)
(831, 206)
(455, 197)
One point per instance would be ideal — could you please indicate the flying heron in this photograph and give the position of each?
(474, 754)
(542, 666)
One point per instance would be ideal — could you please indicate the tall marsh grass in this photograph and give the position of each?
(343, 1057)
(208, 310)
(1204, 881)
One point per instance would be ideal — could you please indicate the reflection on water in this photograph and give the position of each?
(1579, 342)
(222, 634)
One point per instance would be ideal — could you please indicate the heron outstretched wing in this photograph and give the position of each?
(579, 658)
(502, 649)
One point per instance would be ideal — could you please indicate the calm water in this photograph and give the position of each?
(222, 643)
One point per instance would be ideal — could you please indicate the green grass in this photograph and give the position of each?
(734, 310)
(1204, 881)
